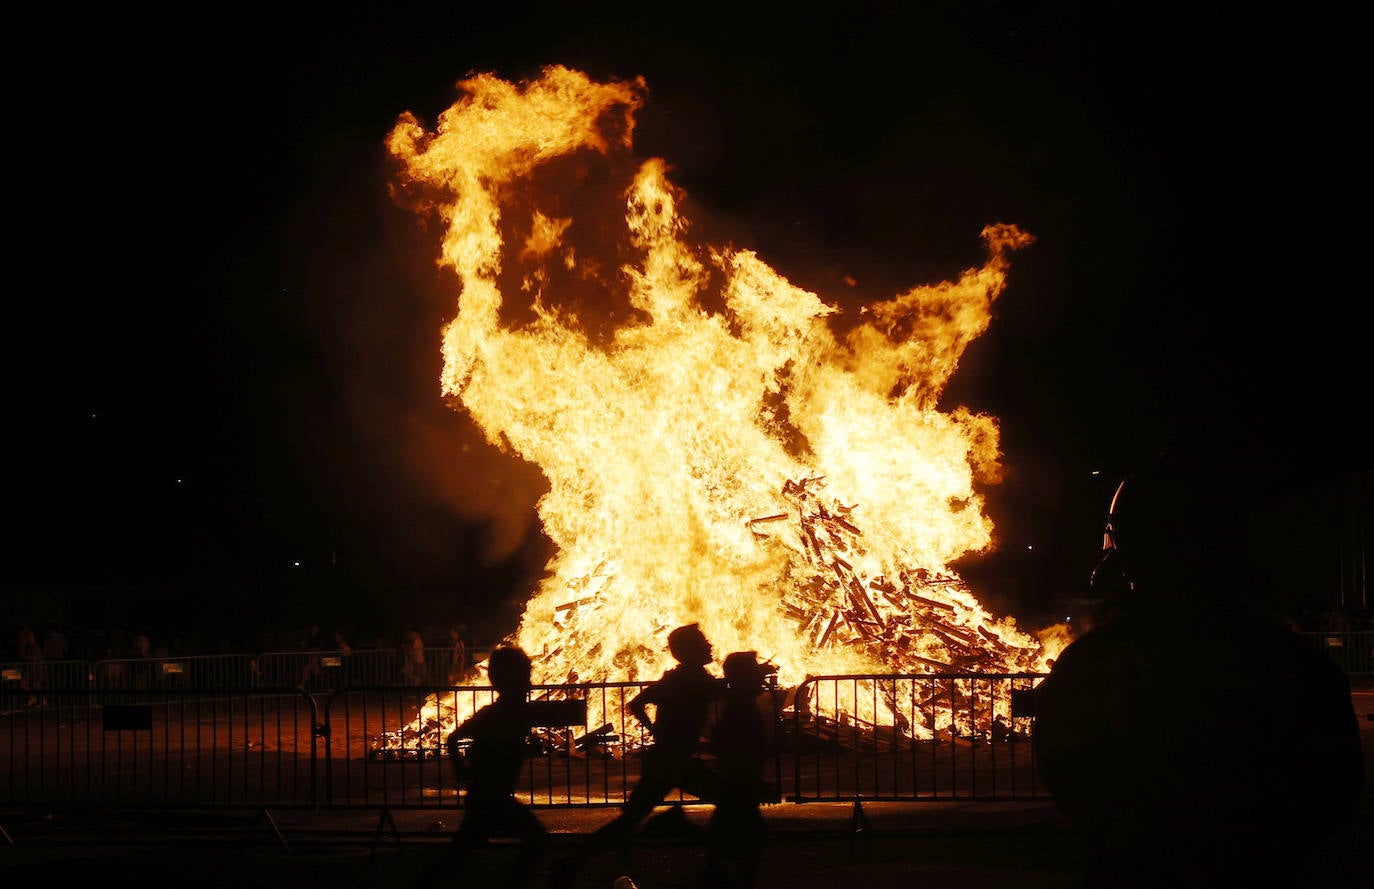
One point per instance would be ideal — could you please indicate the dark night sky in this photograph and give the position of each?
(223, 353)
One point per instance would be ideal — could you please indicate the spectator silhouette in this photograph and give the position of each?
(55, 645)
(499, 736)
(31, 673)
(413, 670)
(458, 655)
(740, 742)
(681, 699)
(140, 668)
(311, 642)
(1188, 738)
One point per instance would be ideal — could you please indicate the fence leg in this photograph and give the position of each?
(264, 815)
(384, 820)
(858, 829)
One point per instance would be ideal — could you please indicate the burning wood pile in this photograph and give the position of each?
(664, 427)
(915, 623)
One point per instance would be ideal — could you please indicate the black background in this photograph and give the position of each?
(223, 334)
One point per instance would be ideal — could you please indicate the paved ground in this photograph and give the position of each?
(814, 846)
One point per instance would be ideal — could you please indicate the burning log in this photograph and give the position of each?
(829, 628)
(598, 740)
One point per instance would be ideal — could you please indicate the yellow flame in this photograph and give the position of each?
(716, 451)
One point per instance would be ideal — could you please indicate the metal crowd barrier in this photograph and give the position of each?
(339, 670)
(25, 684)
(912, 737)
(1354, 651)
(207, 732)
(161, 749)
(384, 746)
(116, 679)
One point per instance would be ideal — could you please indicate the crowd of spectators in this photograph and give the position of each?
(61, 641)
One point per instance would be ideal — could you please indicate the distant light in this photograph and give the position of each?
(1097, 472)
(1030, 546)
(297, 564)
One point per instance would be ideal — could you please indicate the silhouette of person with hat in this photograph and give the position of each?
(740, 743)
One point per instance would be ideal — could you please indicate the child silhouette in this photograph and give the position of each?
(681, 699)
(499, 734)
(740, 743)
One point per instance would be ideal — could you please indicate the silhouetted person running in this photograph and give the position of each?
(1190, 739)
(740, 743)
(499, 734)
(681, 699)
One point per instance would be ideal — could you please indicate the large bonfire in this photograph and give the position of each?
(717, 451)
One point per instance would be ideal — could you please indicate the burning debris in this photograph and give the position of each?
(917, 622)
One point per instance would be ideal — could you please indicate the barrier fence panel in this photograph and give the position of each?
(222, 673)
(1353, 651)
(323, 672)
(840, 738)
(385, 746)
(23, 684)
(161, 749)
(912, 737)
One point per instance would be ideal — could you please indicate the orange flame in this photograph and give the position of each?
(716, 451)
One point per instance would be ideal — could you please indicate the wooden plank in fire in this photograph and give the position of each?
(819, 593)
(951, 635)
(930, 603)
(843, 523)
(938, 665)
(575, 603)
(857, 588)
(866, 628)
(958, 646)
(992, 637)
(829, 628)
(949, 697)
(764, 520)
(893, 600)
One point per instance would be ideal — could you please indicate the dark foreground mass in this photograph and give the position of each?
(811, 846)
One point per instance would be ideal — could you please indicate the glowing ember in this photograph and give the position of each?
(716, 449)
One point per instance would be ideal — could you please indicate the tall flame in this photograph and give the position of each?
(716, 450)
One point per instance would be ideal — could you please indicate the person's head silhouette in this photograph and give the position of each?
(1173, 535)
(689, 645)
(509, 671)
(744, 673)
